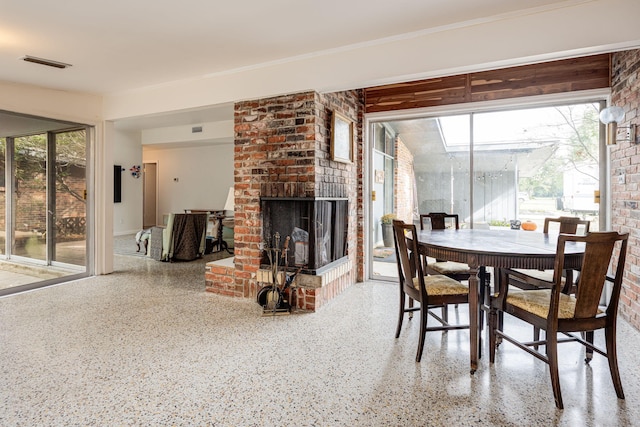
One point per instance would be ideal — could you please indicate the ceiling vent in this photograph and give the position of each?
(47, 62)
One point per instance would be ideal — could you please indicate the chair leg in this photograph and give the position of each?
(445, 313)
(552, 358)
(400, 314)
(588, 336)
(410, 306)
(612, 357)
(493, 324)
(500, 324)
(423, 330)
(536, 336)
(484, 292)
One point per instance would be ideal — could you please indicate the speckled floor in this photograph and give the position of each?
(146, 346)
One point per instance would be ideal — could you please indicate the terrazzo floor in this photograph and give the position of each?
(146, 346)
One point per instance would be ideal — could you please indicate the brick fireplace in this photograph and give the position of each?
(317, 228)
(282, 152)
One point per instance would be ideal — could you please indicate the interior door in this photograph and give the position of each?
(149, 197)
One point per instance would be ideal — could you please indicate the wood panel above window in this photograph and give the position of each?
(567, 75)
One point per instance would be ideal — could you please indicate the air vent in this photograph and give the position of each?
(196, 129)
(47, 62)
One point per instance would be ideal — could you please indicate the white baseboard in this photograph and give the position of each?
(124, 233)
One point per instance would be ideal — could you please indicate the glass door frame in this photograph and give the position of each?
(371, 119)
(10, 205)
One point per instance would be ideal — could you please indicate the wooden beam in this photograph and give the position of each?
(568, 75)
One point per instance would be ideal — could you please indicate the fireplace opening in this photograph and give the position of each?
(317, 229)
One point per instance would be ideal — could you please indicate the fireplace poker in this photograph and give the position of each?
(285, 251)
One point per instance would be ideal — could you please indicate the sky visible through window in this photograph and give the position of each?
(508, 127)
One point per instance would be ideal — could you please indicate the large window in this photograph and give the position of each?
(43, 209)
(496, 168)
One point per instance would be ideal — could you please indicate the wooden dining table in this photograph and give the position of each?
(503, 248)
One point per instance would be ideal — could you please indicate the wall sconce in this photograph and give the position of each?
(611, 116)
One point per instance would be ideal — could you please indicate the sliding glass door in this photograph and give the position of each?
(29, 197)
(44, 204)
(495, 169)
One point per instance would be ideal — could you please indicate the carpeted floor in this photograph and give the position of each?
(126, 245)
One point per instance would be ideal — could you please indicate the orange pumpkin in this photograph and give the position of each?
(529, 226)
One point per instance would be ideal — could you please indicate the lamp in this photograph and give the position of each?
(229, 205)
(611, 116)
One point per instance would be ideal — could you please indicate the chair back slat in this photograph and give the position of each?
(598, 254)
(407, 255)
(439, 220)
(567, 225)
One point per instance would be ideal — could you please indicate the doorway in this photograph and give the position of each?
(150, 194)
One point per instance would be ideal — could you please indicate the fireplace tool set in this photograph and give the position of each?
(272, 297)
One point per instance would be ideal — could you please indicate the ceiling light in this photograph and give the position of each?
(47, 62)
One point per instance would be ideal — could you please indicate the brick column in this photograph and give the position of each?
(282, 149)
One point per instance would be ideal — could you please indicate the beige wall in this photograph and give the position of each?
(562, 30)
(204, 175)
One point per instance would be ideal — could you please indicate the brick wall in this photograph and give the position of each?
(625, 158)
(31, 200)
(282, 149)
(404, 182)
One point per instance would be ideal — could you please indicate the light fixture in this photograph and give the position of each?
(611, 116)
(47, 62)
(230, 203)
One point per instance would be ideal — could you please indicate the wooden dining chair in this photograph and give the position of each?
(440, 220)
(557, 312)
(561, 225)
(455, 270)
(434, 291)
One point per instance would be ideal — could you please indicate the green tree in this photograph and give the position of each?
(576, 128)
(31, 156)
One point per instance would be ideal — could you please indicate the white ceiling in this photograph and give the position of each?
(196, 116)
(122, 45)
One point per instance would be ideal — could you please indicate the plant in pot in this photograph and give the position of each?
(387, 229)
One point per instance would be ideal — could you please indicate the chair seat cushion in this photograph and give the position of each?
(538, 301)
(449, 267)
(442, 285)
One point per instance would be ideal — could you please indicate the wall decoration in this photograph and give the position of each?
(135, 171)
(341, 138)
(117, 183)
